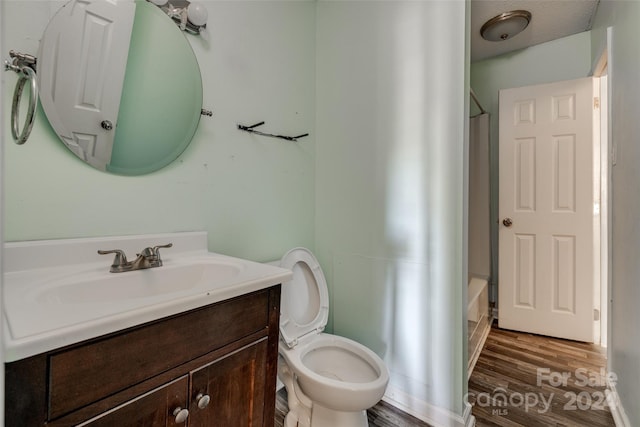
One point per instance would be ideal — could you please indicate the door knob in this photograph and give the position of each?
(507, 222)
(106, 125)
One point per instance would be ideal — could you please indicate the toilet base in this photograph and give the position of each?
(305, 413)
(325, 417)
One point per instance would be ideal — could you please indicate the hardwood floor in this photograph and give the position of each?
(528, 371)
(546, 382)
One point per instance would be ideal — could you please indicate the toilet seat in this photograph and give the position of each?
(305, 307)
(344, 348)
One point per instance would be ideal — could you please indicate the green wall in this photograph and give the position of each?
(390, 188)
(380, 198)
(624, 294)
(254, 195)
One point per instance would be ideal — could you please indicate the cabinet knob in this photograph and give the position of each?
(203, 400)
(180, 414)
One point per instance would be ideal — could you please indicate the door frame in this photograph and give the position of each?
(601, 68)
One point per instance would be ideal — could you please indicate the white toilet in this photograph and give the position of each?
(331, 381)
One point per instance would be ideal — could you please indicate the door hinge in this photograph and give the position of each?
(596, 314)
(596, 102)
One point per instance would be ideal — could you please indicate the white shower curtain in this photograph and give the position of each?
(479, 197)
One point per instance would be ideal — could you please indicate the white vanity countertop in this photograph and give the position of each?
(60, 292)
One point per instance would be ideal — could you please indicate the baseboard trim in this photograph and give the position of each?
(431, 414)
(615, 405)
(476, 353)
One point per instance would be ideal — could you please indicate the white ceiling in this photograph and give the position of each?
(550, 20)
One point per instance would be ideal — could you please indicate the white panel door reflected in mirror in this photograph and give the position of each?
(119, 84)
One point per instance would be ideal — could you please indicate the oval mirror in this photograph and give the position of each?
(119, 84)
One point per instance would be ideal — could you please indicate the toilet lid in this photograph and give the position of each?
(305, 300)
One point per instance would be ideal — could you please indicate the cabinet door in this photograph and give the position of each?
(153, 409)
(235, 386)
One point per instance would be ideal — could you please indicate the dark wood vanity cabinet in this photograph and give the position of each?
(212, 366)
(234, 400)
(151, 409)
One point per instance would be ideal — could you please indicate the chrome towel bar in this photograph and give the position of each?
(251, 129)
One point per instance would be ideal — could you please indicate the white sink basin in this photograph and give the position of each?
(60, 292)
(148, 283)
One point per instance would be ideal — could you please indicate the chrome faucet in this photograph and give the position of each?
(147, 258)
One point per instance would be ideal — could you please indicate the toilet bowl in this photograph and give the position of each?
(330, 380)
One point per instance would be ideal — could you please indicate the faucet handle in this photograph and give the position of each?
(148, 253)
(168, 245)
(120, 259)
(156, 251)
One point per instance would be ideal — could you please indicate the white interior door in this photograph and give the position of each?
(547, 220)
(81, 67)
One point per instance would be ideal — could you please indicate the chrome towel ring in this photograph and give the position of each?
(22, 64)
(20, 137)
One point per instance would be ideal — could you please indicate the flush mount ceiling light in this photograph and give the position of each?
(505, 26)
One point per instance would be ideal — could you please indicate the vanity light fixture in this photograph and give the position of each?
(190, 16)
(506, 25)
